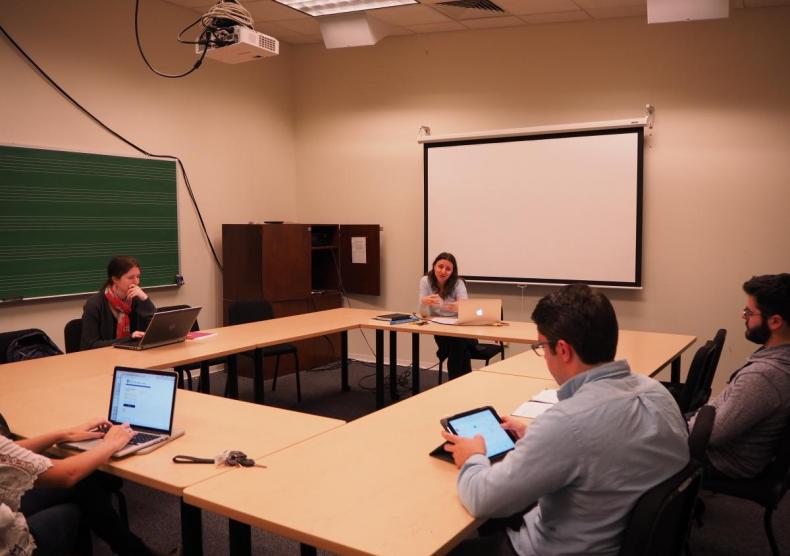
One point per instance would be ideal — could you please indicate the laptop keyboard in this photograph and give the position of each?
(143, 437)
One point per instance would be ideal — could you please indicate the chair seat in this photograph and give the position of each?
(280, 349)
(765, 491)
(486, 351)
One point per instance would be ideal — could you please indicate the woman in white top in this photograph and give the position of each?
(43, 500)
(440, 290)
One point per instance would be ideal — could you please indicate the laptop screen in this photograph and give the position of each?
(143, 398)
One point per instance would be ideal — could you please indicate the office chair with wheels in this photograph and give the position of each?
(242, 312)
(481, 352)
(767, 489)
(660, 520)
(72, 333)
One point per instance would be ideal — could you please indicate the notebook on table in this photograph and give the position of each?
(165, 327)
(145, 399)
(474, 312)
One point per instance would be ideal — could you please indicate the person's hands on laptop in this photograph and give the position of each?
(95, 428)
(118, 436)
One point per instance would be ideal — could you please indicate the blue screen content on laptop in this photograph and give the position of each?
(142, 400)
(485, 424)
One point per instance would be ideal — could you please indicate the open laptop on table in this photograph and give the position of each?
(474, 312)
(145, 399)
(165, 327)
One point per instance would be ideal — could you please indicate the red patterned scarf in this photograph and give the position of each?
(122, 330)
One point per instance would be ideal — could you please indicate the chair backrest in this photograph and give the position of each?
(253, 310)
(693, 389)
(72, 333)
(195, 326)
(713, 363)
(30, 343)
(660, 520)
(700, 434)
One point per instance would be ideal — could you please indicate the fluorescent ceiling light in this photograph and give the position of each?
(329, 7)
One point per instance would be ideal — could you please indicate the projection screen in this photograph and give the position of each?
(552, 208)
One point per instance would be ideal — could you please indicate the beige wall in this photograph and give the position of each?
(231, 125)
(330, 136)
(717, 187)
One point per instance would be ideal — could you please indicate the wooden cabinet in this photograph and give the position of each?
(300, 268)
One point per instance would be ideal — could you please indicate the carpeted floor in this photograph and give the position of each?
(731, 527)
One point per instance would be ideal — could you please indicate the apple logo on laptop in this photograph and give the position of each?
(479, 312)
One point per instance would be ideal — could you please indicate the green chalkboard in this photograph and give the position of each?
(63, 215)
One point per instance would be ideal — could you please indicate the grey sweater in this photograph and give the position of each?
(751, 414)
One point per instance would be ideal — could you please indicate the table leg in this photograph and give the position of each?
(675, 373)
(205, 385)
(191, 530)
(415, 364)
(240, 539)
(379, 369)
(344, 361)
(232, 384)
(257, 379)
(393, 365)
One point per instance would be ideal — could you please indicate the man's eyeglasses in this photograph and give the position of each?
(539, 348)
(748, 313)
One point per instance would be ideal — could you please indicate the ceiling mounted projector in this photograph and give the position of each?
(239, 44)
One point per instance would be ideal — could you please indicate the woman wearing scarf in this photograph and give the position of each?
(120, 309)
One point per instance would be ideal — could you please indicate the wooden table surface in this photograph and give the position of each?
(646, 352)
(367, 487)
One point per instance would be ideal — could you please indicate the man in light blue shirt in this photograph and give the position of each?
(612, 436)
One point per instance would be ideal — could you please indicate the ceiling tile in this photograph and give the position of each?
(601, 4)
(268, 10)
(305, 39)
(415, 14)
(556, 18)
(624, 11)
(437, 27)
(536, 6)
(307, 26)
(492, 22)
(191, 3)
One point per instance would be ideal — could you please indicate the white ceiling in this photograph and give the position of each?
(428, 16)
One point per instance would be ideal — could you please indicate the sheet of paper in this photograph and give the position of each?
(547, 395)
(444, 320)
(531, 410)
(359, 251)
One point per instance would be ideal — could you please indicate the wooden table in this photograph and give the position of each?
(646, 352)
(213, 424)
(368, 487)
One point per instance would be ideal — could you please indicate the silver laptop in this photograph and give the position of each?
(145, 399)
(475, 312)
(165, 327)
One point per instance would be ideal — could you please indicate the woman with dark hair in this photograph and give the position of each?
(120, 309)
(440, 290)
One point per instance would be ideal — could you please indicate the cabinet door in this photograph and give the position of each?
(286, 262)
(360, 264)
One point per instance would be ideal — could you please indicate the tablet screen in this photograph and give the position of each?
(485, 423)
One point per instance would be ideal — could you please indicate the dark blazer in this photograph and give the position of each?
(98, 322)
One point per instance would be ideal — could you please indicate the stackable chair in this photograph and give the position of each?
(242, 312)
